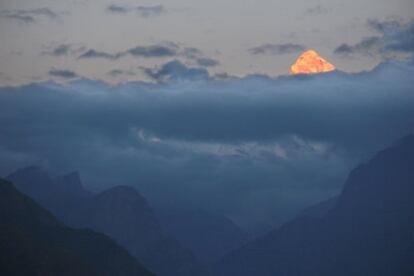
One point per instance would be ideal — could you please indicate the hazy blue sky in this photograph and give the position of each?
(225, 34)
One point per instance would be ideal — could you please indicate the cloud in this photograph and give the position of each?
(150, 11)
(92, 53)
(160, 50)
(367, 46)
(191, 53)
(395, 37)
(118, 9)
(385, 26)
(65, 74)
(143, 11)
(197, 57)
(402, 40)
(318, 10)
(277, 49)
(151, 51)
(207, 62)
(260, 148)
(175, 70)
(63, 50)
(120, 72)
(29, 16)
(166, 50)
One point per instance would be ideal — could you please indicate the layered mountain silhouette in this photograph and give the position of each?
(208, 235)
(119, 212)
(34, 242)
(367, 230)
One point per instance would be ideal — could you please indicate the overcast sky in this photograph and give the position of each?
(40, 39)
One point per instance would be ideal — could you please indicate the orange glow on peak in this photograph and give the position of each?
(310, 62)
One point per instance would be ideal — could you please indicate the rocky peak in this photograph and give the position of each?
(310, 62)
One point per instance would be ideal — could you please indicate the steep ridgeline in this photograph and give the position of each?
(120, 212)
(208, 235)
(64, 196)
(34, 242)
(369, 230)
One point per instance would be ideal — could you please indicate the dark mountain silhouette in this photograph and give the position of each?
(70, 184)
(320, 209)
(34, 242)
(119, 212)
(369, 230)
(122, 213)
(64, 196)
(33, 181)
(209, 236)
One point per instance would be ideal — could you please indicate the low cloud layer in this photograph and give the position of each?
(254, 148)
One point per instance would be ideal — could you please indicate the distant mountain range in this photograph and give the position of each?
(367, 230)
(119, 212)
(208, 235)
(33, 242)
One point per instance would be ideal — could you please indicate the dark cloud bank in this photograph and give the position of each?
(393, 37)
(254, 148)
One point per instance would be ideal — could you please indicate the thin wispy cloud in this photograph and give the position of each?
(62, 73)
(118, 9)
(166, 50)
(207, 62)
(150, 11)
(150, 51)
(197, 57)
(318, 10)
(92, 54)
(121, 72)
(277, 49)
(64, 49)
(31, 15)
(142, 11)
(162, 50)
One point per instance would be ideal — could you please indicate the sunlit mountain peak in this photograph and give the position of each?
(310, 62)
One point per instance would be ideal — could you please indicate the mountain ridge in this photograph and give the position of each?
(120, 212)
(368, 231)
(34, 242)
